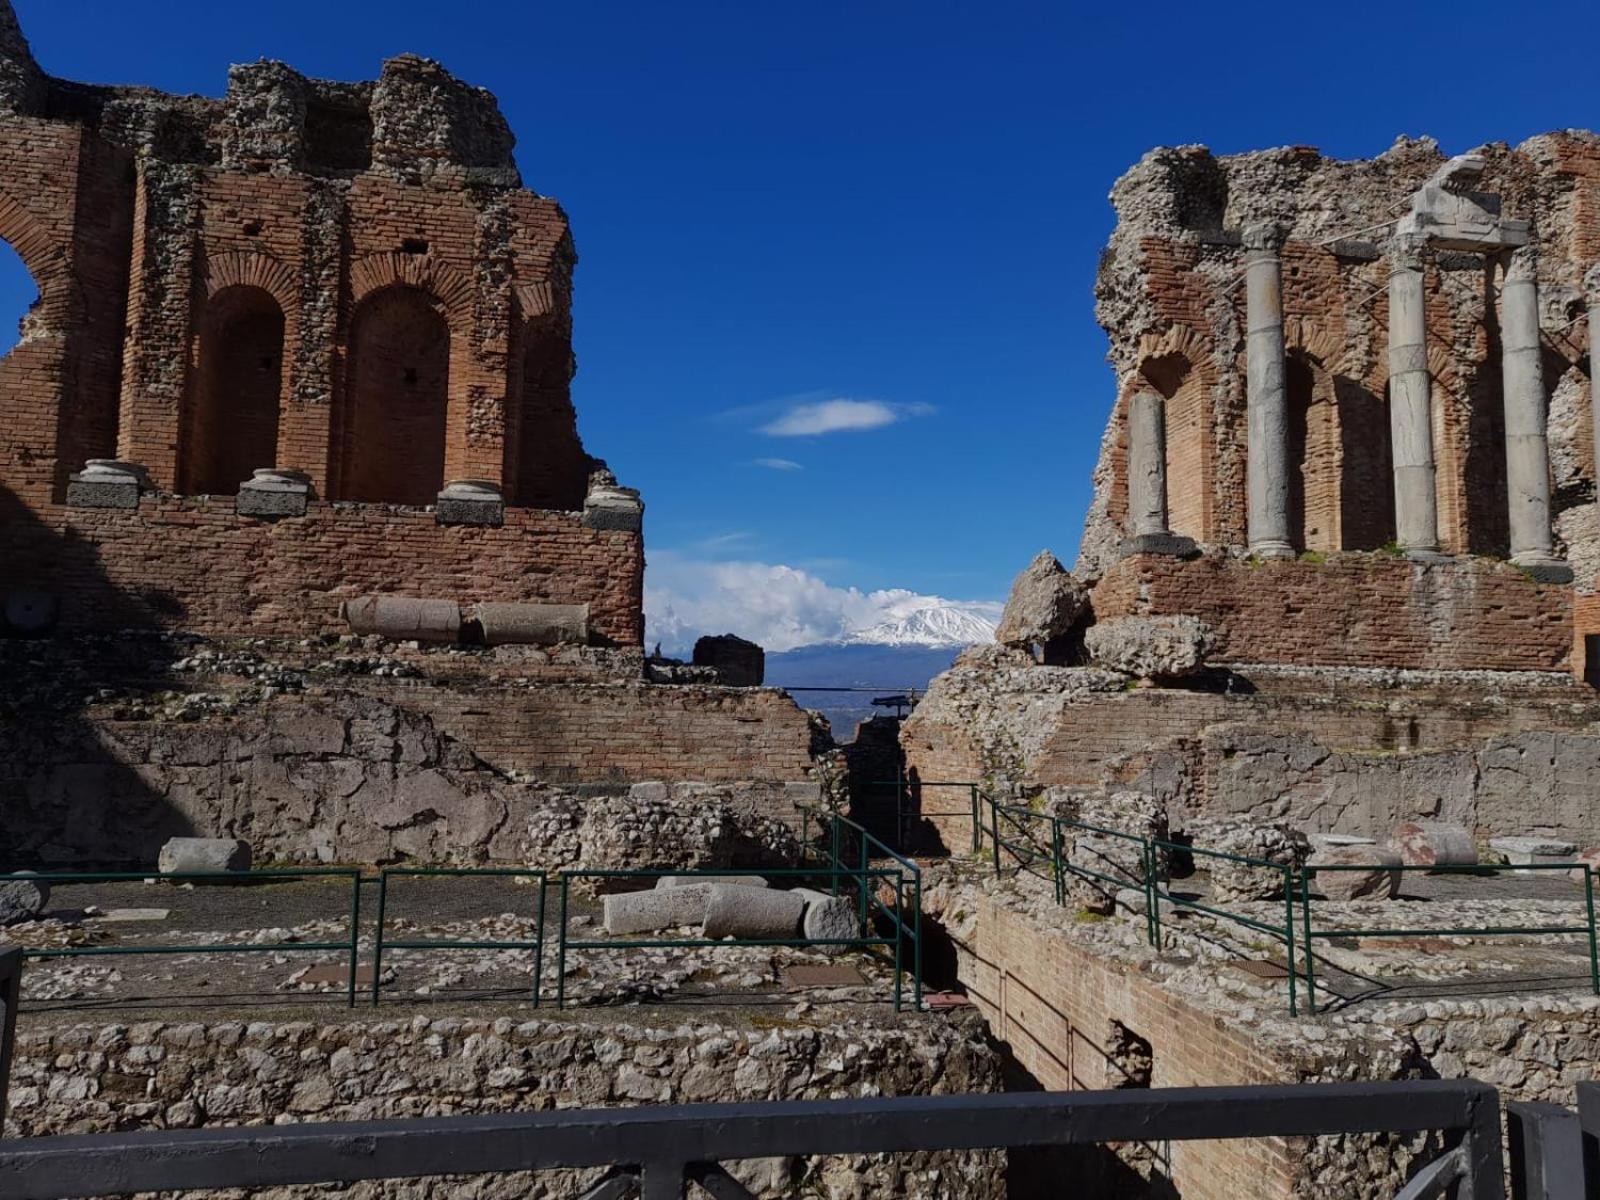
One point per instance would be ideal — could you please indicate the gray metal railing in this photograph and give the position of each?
(655, 1152)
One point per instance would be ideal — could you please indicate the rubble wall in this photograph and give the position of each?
(1350, 752)
(193, 563)
(1354, 610)
(350, 779)
(168, 1075)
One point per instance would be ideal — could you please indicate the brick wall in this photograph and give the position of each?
(1366, 610)
(1054, 1003)
(192, 563)
(614, 733)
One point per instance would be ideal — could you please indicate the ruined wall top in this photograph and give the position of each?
(416, 122)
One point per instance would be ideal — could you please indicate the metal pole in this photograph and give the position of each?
(355, 938)
(899, 939)
(864, 883)
(377, 944)
(916, 929)
(1311, 960)
(10, 997)
(1288, 931)
(538, 953)
(1594, 954)
(561, 947)
(977, 821)
(994, 831)
(1055, 860)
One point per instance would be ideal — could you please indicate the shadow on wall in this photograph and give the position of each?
(67, 794)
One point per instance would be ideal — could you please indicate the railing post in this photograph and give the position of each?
(1305, 936)
(977, 819)
(1546, 1145)
(355, 939)
(863, 882)
(1594, 947)
(10, 997)
(662, 1181)
(561, 946)
(1288, 936)
(1055, 861)
(538, 953)
(1485, 1162)
(994, 830)
(377, 937)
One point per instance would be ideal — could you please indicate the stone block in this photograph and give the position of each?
(272, 493)
(1379, 878)
(1174, 544)
(683, 881)
(403, 618)
(660, 908)
(738, 663)
(1532, 851)
(651, 790)
(1046, 601)
(753, 913)
(1162, 647)
(470, 502)
(183, 854)
(829, 918)
(22, 899)
(1435, 844)
(610, 507)
(533, 624)
(107, 483)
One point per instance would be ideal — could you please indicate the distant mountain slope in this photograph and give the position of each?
(945, 624)
(885, 669)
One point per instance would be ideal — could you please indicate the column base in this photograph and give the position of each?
(1173, 544)
(1543, 568)
(272, 492)
(1421, 555)
(1273, 549)
(107, 483)
(470, 502)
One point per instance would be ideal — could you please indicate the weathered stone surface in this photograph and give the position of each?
(738, 663)
(829, 917)
(22, 899)
(743, 912)
(1273, 846)
(1167, 647)
(685, 881)
(1045, 603)
(658, 908)
(533, 624)
(204, 854)
(1435, 844)
(1532, 851)
(152, 1075)
(1378, 880)
(403, 618)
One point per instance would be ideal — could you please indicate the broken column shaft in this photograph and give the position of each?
(1268, 452)
(1527, 451)
(1147, 465)
(1416, 504)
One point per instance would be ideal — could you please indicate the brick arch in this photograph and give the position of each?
(237, 389)
(45, 260)
(375, 272)
(253, 269)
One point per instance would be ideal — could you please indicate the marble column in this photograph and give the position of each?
(1522, 385)
(1591, 285)
(1416, 503)
(1267, 454)
(1147, 466)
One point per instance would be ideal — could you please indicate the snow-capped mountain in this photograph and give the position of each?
(941, 624)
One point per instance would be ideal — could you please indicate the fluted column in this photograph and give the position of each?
(1591, 285)
(1267, 455)
(1416, 503)
(1527, 447)
(1147, 465)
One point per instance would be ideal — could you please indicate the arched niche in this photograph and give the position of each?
(235, 397)
(396, 399)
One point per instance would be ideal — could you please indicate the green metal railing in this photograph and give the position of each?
(351, 946)
(863, 878)
(382, 941)
(1309, 935)
(998, 835)
(908, 791)
(835, 830)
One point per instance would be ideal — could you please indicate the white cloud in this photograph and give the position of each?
(777, 464)
(813, 418)
(778, 606)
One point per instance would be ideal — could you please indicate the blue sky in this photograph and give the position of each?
(781, 207)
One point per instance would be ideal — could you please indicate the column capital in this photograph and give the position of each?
(1591, 284)
(1406, 251)
(1264, 237)
(1522, 265)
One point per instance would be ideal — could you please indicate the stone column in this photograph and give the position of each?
(1416, 503)
(1591, 285)
(1522, 385)
(1147, 466)
(1267, 455)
